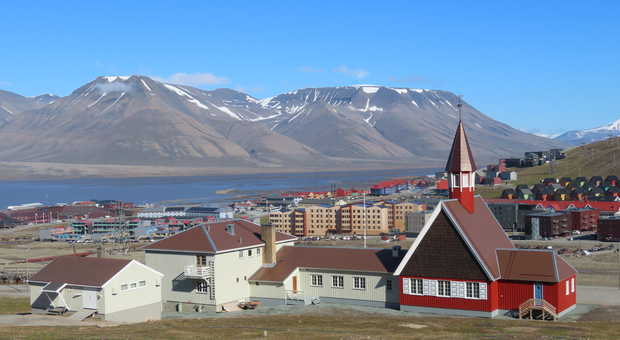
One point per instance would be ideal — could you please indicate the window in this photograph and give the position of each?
(240, 253)
(317, 280)
(388, 284)
(337, 281)
(443, 288)
(567, 287)
(416, 287)
(359, 282)
(473, 290)
(142, 283)
(133, 285)
(124, 287)
(237, 280)
(201, 287)
(249, 252)
(201, 260)
(572, 285)
(257, 251)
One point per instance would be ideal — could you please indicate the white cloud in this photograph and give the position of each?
(194, 79)
(310, 69)
(355, 73)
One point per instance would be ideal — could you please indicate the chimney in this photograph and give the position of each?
(268, 235)
(396, 251)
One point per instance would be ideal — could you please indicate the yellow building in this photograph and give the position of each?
(397, 213)
(319, 220)
(354, 217)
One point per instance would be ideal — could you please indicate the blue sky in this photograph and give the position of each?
(543, 66)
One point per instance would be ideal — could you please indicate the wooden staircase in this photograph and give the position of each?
(537, 309)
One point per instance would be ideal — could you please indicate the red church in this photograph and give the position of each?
(463, 262)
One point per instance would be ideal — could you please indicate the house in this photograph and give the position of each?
(208, 266)
(117, 290)
(463, 262)
(324, 274)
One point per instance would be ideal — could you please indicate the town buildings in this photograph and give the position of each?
(609, 228)
(320, 220)
(186, 212)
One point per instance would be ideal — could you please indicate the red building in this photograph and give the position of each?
(463, 263)
(584, 219)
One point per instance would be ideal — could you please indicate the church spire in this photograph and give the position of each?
(461, 169)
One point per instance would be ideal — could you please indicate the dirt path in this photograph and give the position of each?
(593, 295)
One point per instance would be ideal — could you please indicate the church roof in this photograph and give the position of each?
(460, 158)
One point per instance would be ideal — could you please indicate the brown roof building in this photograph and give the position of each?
(216, 237)
(463, 262)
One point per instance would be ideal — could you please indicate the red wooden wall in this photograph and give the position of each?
(487, 305)
(506, 295)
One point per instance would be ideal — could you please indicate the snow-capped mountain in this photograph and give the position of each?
(138, 120)
(578, 137)
(11, 104)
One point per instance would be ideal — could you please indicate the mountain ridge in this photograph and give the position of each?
(138, 120)
(587, 136)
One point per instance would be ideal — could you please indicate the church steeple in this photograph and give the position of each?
(460, 168)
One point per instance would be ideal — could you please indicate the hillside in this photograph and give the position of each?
(595, 159)
(136, 120)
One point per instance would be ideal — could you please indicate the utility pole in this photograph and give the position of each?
(364, 197)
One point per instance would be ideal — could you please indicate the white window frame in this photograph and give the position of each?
(416, 287)
(337, 281)
(572, 285)
(359, 283)
(443, 288)
(316, 280)
(125, 285)
(201, 287)
(567, 287)
(472, 289)
(141, 283)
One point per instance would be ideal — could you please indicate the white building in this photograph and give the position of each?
(207, 268)
(117, 290)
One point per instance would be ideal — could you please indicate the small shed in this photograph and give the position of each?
(115, 289)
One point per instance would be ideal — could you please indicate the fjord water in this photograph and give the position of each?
(199, 189)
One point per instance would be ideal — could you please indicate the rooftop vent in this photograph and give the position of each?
(230, 228)
(395, 251)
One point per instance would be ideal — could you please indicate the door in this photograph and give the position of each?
(89, 299)
(294, 284)
(538, 291)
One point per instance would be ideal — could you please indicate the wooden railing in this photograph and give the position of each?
(196, 271)
(537, 304)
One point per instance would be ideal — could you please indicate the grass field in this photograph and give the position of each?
(338, 324)
(600, 158)
(14, 305)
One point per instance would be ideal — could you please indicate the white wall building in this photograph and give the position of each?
(117, 290)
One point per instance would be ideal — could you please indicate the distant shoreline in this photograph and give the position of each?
(20, 171)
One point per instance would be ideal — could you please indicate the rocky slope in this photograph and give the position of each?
(137, 120)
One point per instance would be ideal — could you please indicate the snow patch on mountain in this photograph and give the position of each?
(190, 99)
(228, 112)
(370, 89)
(115, 78)
(145, 85)
(7, 110)
(97, 101)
